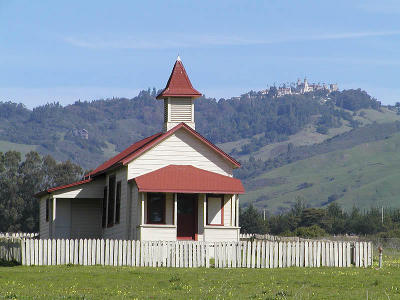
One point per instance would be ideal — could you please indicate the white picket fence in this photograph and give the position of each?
(256, 254)
(10, 249)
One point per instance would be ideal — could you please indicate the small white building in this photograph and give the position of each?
(173, 185)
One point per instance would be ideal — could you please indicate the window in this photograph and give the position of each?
(47, 209)
(215, 210)
(111, 201)
(118, 203)
(155, 208)
(104, 215)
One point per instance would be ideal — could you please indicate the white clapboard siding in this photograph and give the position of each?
(181, 148)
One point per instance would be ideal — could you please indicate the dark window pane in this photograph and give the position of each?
(111, 201)
(104, 214)
(118, 203)
(47, 209)
(156, 208)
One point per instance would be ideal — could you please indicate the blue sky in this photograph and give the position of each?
(69, 50)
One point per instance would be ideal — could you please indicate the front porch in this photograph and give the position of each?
(182, 202)
(189, 216)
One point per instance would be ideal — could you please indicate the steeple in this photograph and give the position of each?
(178, 97)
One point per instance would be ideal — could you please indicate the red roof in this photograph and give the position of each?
(61, 187)
(116, 160)
(188, 179)
(136, 150)
(179, 84)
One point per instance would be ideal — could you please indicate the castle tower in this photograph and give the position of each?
(178, 97)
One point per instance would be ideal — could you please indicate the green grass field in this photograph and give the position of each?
(96, 282)
(365, 176)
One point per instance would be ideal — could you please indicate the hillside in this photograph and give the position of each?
(309, 135)
(365, 175)
(90, 132)
(339, 146)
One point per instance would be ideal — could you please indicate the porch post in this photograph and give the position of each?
(233, 210)
(205, 210)
(54, 208)
(204, 216)
(237, 210)
(142, 220)
(53, 219)
(175, 209)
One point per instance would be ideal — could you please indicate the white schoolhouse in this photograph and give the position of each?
(173, 185)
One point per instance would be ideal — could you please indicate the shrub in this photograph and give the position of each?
(313, 231)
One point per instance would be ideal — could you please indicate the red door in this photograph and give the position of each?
(187, 212)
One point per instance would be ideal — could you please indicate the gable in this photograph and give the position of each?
(180, 148)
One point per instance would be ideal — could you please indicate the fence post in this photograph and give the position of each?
(190, 246)
(133, 253)
(258, 255)
(361, 254)
(23, 254)
(32, 248)
(267, 254)
(207, 254)
(310, 254)
(248, 264)
(318, 254)
(40, 252)
(119, 253)
(370, 254)
(177, 259)
(336, 254)
(289, 254)
(365, 254)
(314, 253)
(62, 252)
(199, 264)
(306, 255)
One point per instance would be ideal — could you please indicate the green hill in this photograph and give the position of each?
(309, 135)
(87, 133)
(295, 145)
(366, 175)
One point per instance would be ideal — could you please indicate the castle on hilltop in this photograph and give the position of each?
(301, 87)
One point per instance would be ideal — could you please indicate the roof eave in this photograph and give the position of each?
(41, 194)
(191, 191)
(162, 96)
(111, 168)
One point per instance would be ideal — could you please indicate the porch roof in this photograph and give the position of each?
(188, 179)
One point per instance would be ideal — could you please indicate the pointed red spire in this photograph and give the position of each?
(179, 84)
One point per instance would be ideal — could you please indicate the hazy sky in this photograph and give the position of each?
(69, 50)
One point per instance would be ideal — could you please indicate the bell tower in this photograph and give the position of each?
(178, 97)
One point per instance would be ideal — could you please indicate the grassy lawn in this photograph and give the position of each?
(97, 282)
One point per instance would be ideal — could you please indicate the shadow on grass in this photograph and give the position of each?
(13, 263)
